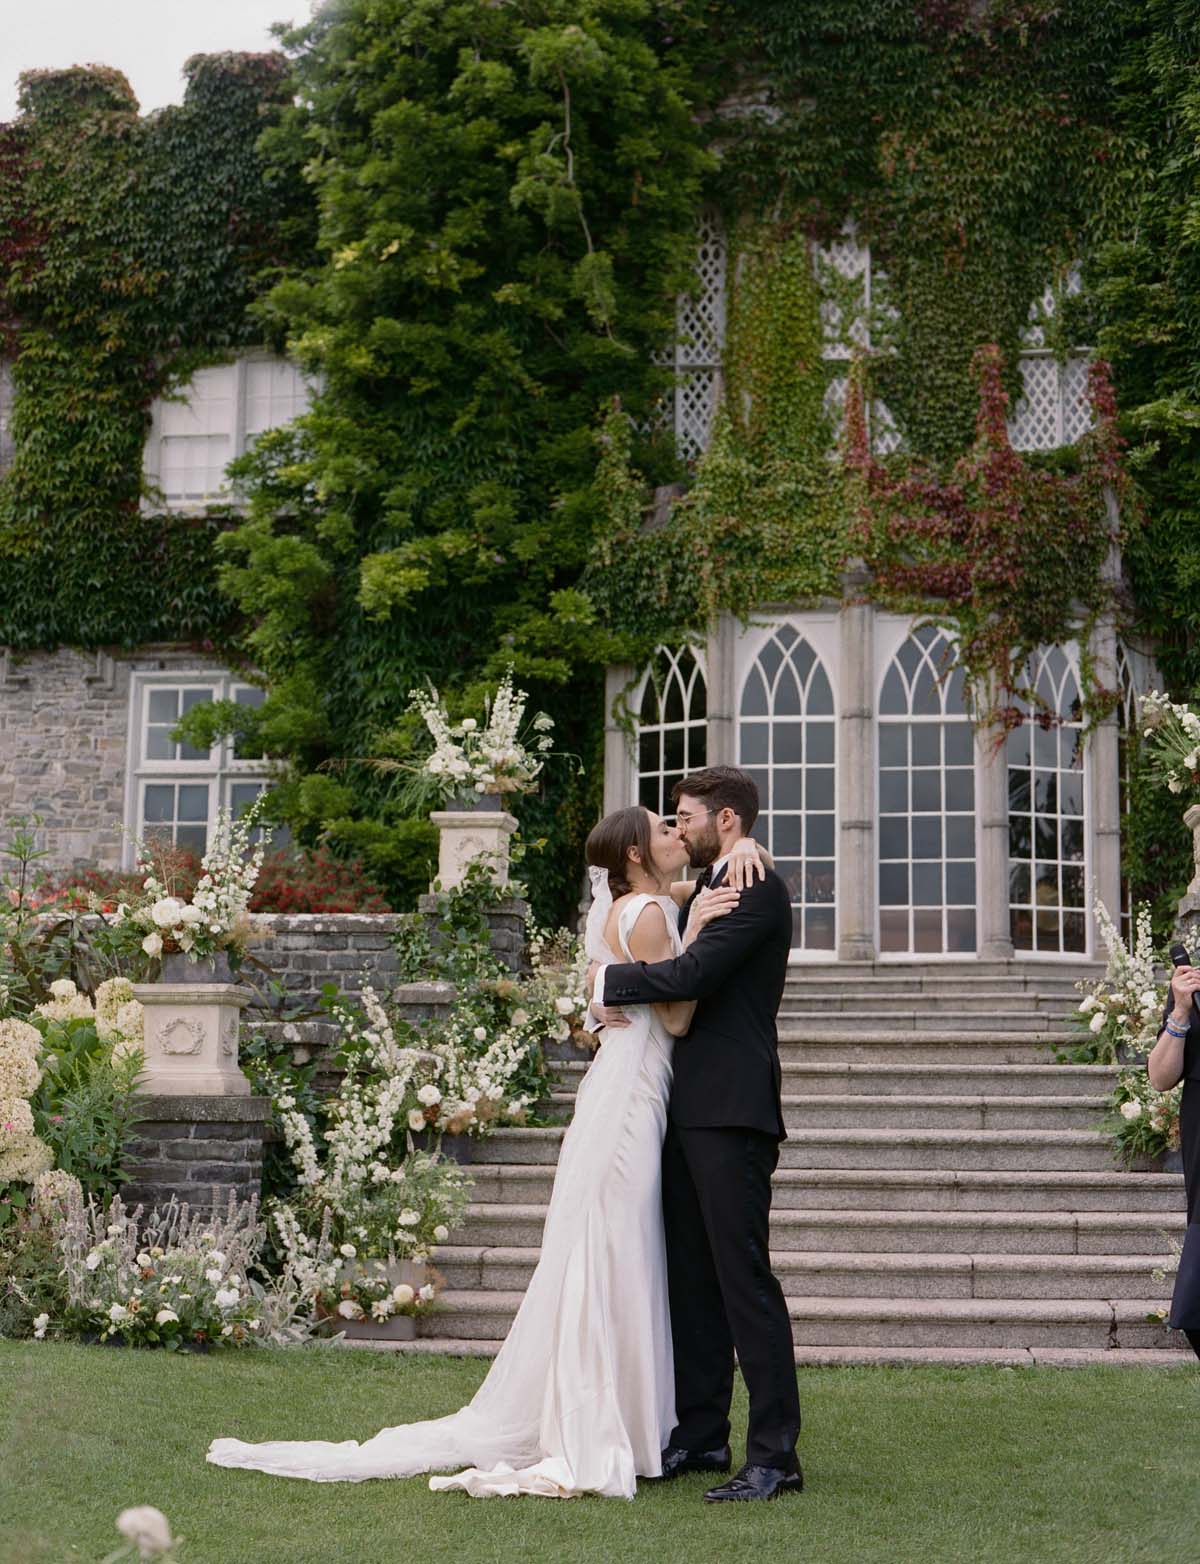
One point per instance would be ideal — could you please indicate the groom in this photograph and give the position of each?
(722, 1144)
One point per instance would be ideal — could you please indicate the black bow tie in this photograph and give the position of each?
(704, 878)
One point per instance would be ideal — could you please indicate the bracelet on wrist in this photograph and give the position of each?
(1173, 1028)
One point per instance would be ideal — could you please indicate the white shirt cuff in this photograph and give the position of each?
(594, 1021)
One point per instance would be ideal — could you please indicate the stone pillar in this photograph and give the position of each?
(620, 762)
(467, 834)
(856, 855)
(196, 1147)
(720, 656)
(1104, 787)
(994, 930)
(507, 923)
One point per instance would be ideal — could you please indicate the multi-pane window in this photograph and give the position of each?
(219, 415)
(927, 885)
(845, 267)
(1047, 823)
(177, 789)
(672, 725)
(786, 741)
(700, 342)
(1053, 408)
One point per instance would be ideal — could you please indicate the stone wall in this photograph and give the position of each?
(64, 741)
(304, 951)
(191, 1147)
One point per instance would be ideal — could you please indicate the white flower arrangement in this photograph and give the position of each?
(23, 1155)
(1123, 1009)
(217, 916)
(1171, 731)
(495, 758)
(1144, 1122)
(176, 1277)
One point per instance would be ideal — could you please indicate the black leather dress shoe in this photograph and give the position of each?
(757, 1482)
(676, 1461)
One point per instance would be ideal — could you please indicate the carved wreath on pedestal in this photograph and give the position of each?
(182, 1036)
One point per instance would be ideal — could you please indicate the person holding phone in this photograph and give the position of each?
(1175, 1057)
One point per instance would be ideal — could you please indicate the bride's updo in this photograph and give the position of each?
(609, 843)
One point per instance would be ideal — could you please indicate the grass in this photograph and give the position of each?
(907, 1466)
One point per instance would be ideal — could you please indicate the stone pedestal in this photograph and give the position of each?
(507, 922)
(191, 1039)
(193, 1147)
(464, 835)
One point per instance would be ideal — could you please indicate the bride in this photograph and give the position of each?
(581, 1397)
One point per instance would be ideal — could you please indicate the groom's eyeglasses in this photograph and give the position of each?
(689, 815)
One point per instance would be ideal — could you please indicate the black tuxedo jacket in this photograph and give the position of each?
(727, 1067)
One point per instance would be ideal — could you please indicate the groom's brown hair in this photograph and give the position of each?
(722, 787)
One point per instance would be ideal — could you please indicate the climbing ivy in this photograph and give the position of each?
(130, 249)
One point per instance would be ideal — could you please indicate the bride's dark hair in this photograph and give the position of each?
(609, 843)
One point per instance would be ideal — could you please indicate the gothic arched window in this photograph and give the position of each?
(927, 881)
(786, 741)
(672, 728)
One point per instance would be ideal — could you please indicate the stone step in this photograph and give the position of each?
(841, 1274)
(811, 1045)
(945, 1080)
(858, 1322)
(960, 1002)
(956, 980)
(926, 1190)
(977, 1150)
(859, 1111)
(888, 1232)
(819, 1021)
(1030, 970)
(861, 1357)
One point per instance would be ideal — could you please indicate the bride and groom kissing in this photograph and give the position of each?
(655, 1266)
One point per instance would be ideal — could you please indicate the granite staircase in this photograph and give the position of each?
(946, 1193)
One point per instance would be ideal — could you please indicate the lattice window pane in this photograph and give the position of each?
(1076, 409)
(695, 408)
(1036, 423)
(700, 315)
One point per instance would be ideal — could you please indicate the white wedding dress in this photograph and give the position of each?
(581, 1397)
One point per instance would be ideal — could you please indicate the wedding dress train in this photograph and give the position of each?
(581, 1398)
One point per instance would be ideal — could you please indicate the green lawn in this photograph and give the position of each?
(907, 1466)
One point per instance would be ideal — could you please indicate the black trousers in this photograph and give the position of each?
(724, 1296)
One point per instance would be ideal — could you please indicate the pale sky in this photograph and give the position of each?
(147, 39)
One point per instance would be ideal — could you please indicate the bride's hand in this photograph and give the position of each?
(709, 905)
(747, 861)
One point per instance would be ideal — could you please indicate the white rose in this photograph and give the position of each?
(213, 1275)
(63, 988)
(167, 912)
(349, 1251)
(441, 1233)
(408, 1217)
(226, 1298)
(1088, 1004)
(217, 1256)
(426, 1292)
(349, 1310)
(468, 724)
(520, 1017)
(1097, 1022)
(153, 945)
(429, 1095)
(148, 1528)
(564, 1006)
(402, 1293)
(93, 1260)
(191, 916)
(166, 1317)
(118, 1312)
(40, 1321)
(416, 1119)
(480, 1034)
(1131, 1110)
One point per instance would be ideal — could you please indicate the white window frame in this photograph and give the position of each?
(240, 440)
(690, 726)
(219, 771)
(891, 634)
(1070, 650)
(820, 630)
